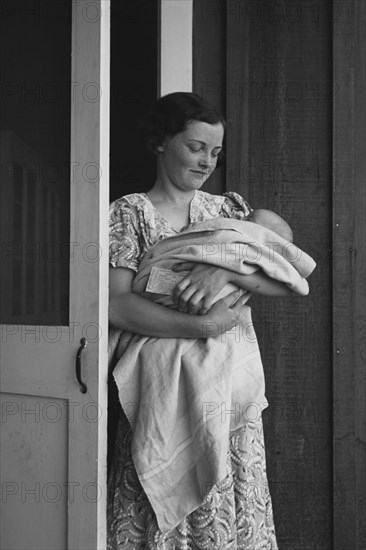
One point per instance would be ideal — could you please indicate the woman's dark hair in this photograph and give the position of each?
(171, 114)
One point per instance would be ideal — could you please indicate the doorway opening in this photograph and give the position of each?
(134, 74)
(134, 87)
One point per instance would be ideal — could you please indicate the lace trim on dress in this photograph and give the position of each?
(136, 225)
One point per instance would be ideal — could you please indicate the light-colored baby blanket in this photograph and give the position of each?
(183, 397)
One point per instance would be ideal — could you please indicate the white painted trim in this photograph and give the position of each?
(104, 124)
(176, 46)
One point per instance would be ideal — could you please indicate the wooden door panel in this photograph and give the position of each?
(34, 472)
(53, 435)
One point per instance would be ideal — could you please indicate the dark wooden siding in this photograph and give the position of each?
(275, 84)
(349, 273)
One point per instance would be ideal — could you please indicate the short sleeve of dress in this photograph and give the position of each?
(124, 242)
(235, 206)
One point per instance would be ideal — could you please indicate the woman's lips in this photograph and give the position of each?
(199, 173)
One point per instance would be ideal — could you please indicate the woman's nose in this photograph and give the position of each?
(205, 162)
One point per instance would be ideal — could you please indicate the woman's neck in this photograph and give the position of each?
(169, 194)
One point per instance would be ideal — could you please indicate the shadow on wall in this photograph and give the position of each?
(134, 85)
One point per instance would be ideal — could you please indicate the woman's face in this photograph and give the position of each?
(189, 158)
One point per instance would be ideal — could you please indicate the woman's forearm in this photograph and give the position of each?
(132, 312)
(260, 283)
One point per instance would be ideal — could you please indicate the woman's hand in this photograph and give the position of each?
(129, 311)
(225, 314)
(196, 292)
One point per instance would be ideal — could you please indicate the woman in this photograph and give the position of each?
(186, 134)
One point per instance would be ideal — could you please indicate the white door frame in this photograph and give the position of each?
(176, 46)
(103, 298)
(91, 134)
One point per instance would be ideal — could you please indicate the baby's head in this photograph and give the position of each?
(272, 221)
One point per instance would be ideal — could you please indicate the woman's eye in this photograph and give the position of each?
(198, 149)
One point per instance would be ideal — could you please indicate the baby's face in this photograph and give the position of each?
(271, 221)
(257, 219)
(267, 225)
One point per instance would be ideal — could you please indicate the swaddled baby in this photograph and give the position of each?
(163, 281)
(272, 221)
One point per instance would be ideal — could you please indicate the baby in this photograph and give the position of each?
(275, 223)
(164, 281)
(272, 221)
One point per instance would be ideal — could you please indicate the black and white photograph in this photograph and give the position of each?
(183, 275)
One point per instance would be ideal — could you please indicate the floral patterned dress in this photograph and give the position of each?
(237, 512)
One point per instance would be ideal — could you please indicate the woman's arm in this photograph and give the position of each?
(260, 283)
(132, 312)
(196, 292)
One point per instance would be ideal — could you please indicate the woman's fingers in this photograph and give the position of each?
(179, 289)
(230, 299)
(237, 302)
(195, 303)
(197, 297)
(206, 305)
(185, 297)
(240, 301)
(190, 300)
(227, 312)
(184, 266)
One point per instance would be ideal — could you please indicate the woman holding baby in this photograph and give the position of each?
(186, 135)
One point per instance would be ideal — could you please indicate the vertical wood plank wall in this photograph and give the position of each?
(283, 161)
(275, 83)
(349, 273)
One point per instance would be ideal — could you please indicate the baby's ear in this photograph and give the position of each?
(160, 148)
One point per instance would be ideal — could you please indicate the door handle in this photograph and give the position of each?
(83, 387)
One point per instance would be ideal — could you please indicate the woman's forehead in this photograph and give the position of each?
(202, 131)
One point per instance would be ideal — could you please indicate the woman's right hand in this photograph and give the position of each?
(225, 314)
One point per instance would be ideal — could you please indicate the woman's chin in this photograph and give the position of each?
(198, 180)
